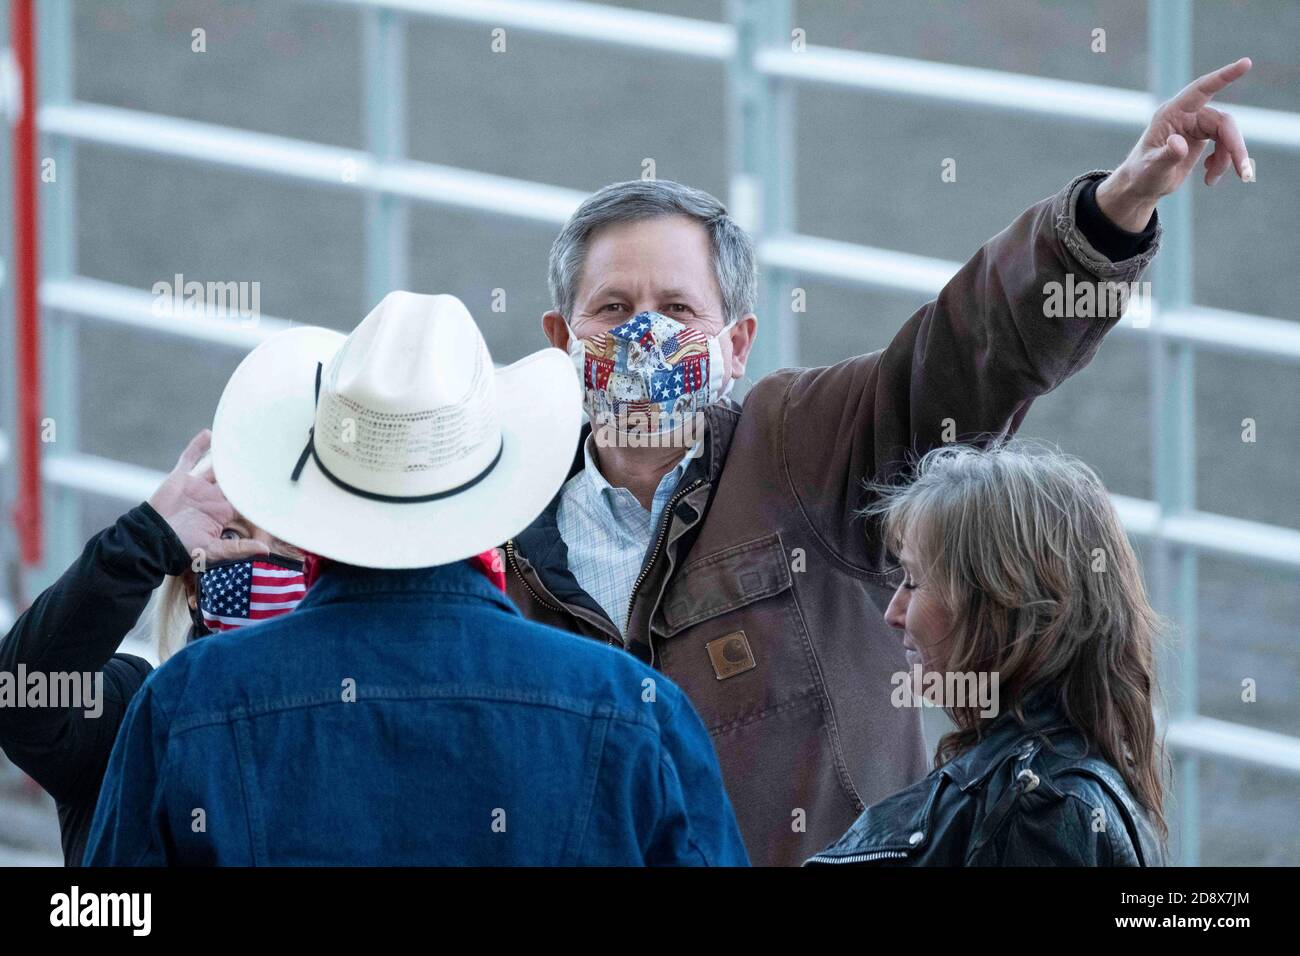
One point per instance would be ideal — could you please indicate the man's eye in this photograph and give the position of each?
(612, 305)
(679, 306)
(230, 534)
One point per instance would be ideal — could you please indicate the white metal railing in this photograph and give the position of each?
(588, 22)
(1222, 739)
(975, 86)
(346, 169)
(761, 69)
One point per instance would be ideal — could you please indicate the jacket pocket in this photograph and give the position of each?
(730, 634)
(724, 581)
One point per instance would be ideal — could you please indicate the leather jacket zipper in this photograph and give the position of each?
(861, 857)
(659, 545)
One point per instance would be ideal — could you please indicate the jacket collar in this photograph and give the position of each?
(344, 582)
(720, 421)
(540, 543)
(1005, 736)
(903, 822)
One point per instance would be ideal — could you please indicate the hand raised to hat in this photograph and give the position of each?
(196, 509)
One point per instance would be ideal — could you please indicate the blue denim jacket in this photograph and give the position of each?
(410, 718)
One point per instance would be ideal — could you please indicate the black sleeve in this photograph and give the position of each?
(75, 626)
(1110, 240)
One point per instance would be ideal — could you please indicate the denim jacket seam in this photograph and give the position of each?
(671, 721)
(598, 725)
(666, 763)
(412, 596)
(254, 845)
(155, 799)
(568, 706)
(673, 711)
(155, 805)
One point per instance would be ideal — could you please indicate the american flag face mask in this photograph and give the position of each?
(650, 375)
(234, 594)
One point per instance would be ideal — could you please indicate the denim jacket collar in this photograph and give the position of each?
(345, 582)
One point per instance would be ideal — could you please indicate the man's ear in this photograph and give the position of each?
(557, 332)
(742, 340)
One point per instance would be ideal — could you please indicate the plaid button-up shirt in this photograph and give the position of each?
(608, 532)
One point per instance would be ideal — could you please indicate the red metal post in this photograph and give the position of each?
(27, 510)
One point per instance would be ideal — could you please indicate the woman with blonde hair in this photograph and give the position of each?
(77, 625)
(1016, 576)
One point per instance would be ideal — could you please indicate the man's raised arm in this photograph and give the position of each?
(1023, 314)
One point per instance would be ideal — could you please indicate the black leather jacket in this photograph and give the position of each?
(1026, 795)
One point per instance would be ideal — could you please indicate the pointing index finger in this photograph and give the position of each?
(1199, 92)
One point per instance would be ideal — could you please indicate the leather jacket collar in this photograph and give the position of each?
(934, 821)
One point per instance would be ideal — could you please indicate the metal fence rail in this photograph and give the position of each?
(762, 70)
(1209, 329)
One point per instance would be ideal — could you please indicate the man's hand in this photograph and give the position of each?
(197, 510)
(1170, 147)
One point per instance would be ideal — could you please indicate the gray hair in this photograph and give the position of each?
(733, 251)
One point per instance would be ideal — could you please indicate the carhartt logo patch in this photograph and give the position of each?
(730, 655)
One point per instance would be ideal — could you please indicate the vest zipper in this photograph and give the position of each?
(510, 556)
(659, 544)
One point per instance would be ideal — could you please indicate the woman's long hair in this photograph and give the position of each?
(171, 616)
(165, 622)
(1024, 550)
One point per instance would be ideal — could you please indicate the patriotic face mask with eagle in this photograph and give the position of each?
(650, 375)
(237, 593)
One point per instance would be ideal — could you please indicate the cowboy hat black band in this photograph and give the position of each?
(310, 449)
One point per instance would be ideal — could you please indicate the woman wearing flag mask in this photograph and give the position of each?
(212, 570)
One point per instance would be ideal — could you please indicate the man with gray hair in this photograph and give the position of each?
(720, 543)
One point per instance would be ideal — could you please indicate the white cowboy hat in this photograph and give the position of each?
(416, 451)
